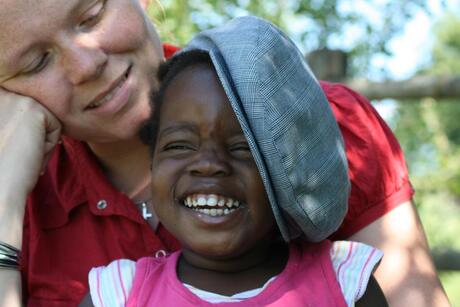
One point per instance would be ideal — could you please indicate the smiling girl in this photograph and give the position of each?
(237, 170)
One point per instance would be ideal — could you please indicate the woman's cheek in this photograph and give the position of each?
(124, 31)
(48, 88)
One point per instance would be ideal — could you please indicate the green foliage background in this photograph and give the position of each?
(313, 24)
(428, 130)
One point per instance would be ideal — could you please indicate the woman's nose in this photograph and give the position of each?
(83, 60)
(210, 163)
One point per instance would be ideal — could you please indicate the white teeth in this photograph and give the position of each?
(229, 202)
(201, 201)
(213, 205)
(212, 200)
(214, 212)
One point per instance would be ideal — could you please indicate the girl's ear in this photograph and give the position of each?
(145, 3)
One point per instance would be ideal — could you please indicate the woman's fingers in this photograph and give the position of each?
(28, 133)
(52, 136)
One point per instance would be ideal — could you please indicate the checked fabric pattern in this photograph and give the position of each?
(284, 114)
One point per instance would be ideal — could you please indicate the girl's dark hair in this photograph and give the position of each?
(166, 74)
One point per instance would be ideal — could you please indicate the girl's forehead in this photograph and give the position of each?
(196, 95)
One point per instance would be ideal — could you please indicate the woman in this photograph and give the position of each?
(85, 68)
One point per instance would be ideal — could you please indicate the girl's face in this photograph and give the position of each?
(90, 62)
(206, 187)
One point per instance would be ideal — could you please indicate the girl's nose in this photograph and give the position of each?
(83, 60)
(209, 163)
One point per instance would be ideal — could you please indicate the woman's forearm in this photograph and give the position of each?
(12, 206)
(11, 227)
(10, 288)
(406, 274)
(28, 133)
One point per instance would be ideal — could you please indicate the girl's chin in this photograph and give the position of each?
(215, 251)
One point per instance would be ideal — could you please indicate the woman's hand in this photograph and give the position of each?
(28, 133)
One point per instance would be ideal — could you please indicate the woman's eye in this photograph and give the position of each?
(93, 15)
(38, 65)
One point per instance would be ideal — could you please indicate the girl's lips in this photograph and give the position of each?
(212, 201)
(207, 220)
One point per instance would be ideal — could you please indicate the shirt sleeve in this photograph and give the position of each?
(354, 264)
(110, 285)
(377, 169)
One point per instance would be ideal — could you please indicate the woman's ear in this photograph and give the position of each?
(145, 3)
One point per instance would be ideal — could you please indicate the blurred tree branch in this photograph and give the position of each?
(438, 87)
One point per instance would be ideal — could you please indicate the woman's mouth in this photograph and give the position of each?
(110, 94)
(211, 204)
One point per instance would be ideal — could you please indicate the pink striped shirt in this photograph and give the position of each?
(351, 264)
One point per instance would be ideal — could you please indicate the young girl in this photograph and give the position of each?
(243, 156)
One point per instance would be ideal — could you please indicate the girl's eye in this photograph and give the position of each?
(39, 64)
(241, 150)
(242, 147)
(93, 15)
(177, 147)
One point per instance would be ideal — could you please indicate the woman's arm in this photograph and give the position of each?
(10, 288)
(28, 133)
(380, 213)
(406, 274)
(11, 220)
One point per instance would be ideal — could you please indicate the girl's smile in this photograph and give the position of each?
(206, 187)
(212, 204)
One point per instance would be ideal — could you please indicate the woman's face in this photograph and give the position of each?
(92, 63)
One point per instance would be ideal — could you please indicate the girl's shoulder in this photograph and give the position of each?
(354, 264)
(350, 264)
(111, 285)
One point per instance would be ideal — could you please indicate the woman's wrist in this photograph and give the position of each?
(12, 207)
(9, 256)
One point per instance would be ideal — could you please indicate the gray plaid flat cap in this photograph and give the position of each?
(292, 133)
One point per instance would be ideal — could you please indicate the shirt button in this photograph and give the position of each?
(160, 253)
(102, 204)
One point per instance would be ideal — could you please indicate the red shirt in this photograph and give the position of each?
(75, 219)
